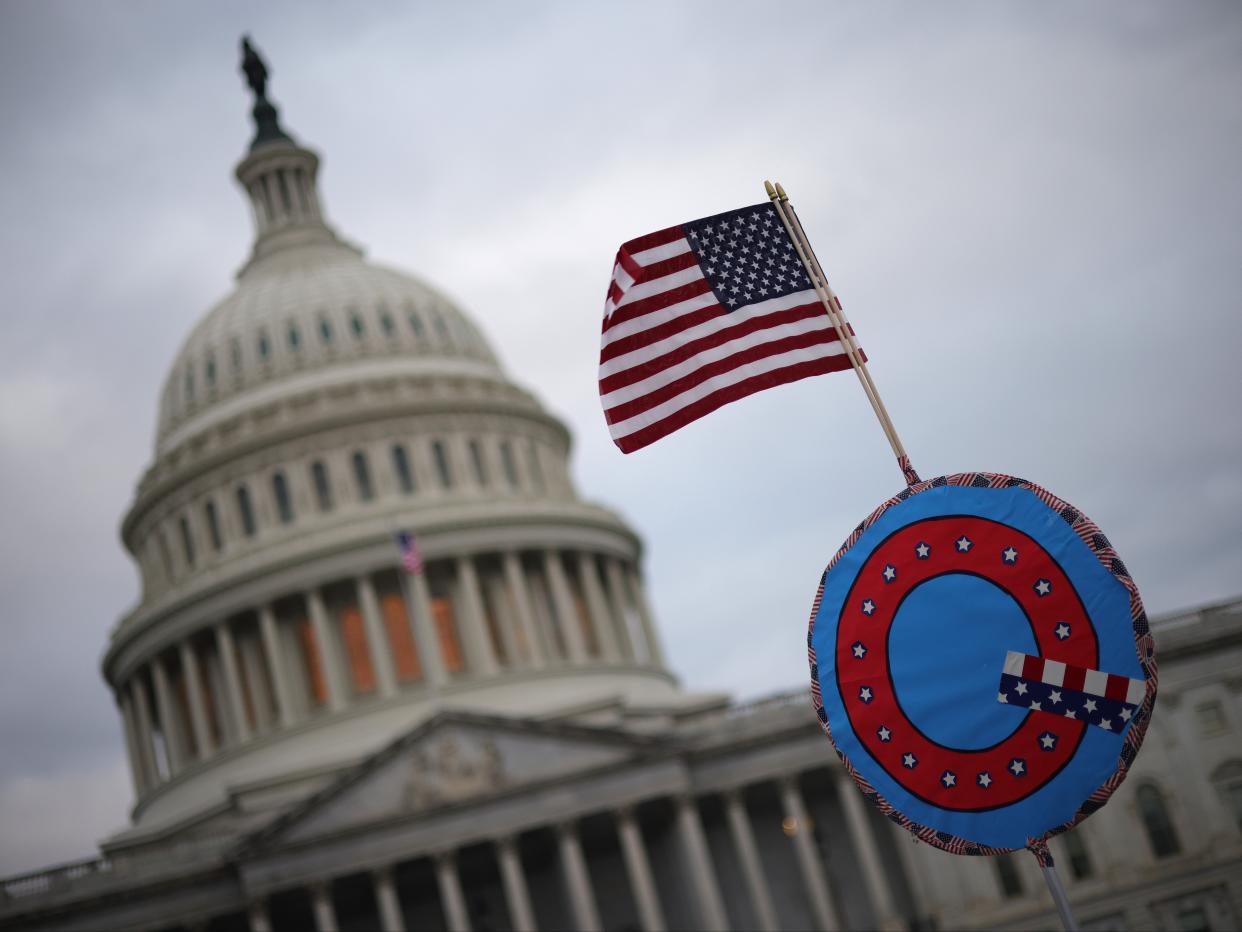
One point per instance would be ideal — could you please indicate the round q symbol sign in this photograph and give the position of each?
(981, 662)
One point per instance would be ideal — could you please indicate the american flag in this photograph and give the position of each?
(411, 558)
(702, 314)
(1106, 700)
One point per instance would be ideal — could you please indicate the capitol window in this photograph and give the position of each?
(245, 511)
(401, 466)
(441, 329)
(210, 369)
(295, 338)
(362, 477)
(236, 352)
(284, 503)
(416, 324)
(325, 330)
(1076, 854)
(476, 460)
(356, 323)
(264, 347)
(213, 526)
(187, 542)
(440, 455)
(1154, 812)
(508, 463)
(323, 486)
(1227, 779)
(386, 323)
(1007, 874)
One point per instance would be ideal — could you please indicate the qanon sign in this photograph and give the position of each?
(981, 662)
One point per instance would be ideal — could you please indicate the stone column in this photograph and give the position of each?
(752, 867)
(451, 897)
(194, 688)
(377, 638)
(174, 740)
(258, 918)
(601, 618)
(232, 682)
(577, 880)
(391, 919)
(703, 875)
(516, 580)
(616, 590)
(521, 913)
(566, 610)
(146, 745)
(275, 656)
(644, 614)
(329, 656)
(481, 656)
(862, 839)
(638, 868)
(325, 912)
(137, 768)
(507, 618)
(253, 669)
(418, 598)
(808, 858)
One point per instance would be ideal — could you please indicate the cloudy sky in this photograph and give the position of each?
(1033, 213)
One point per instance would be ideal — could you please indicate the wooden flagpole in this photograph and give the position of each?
(832, 305)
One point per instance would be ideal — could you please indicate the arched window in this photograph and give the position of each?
(476, 460)
(416, 324)
(284, 503)
(187, 541)
(386, 323)
(323, 486)
(508, 463)
(245, 511)
(325, 330)
(401, 466)
(1155, 815)
(440, 455)
(210, 369)
(236, 353)
(362, 477)
(441, 330)
(265, 348)
(1007, 874)
(1228, 781)
(355, 322)
(213, 527)
(295, 338)
(1076, 852)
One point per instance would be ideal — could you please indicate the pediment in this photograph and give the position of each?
(455, 759)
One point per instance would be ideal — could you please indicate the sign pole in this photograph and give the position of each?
(1053, 879)
(836, 314)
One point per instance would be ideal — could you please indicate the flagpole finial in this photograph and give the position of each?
(768, 187)
(780, 192)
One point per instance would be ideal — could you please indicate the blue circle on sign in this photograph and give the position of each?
(955, 711)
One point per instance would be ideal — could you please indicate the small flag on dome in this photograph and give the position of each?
(411, 558)
(702, 314)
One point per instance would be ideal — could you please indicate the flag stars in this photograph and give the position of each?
(1048, 741)
(964, 544)
(1020, 689)
(984, 779)
(1042, 587)
(865, 695)
(1054, 696)
(922, 550)
(1106, 724)
(1036, 705)
(868, 607)
(884, 734)
(1125, 714)
(1002, 697)
(890, 573)
(1069, 713)
(909, 761)
(1062, 630)
(1009, 555)
(949, 779)
(1089, 705)
(1017, 767)
(859, 650)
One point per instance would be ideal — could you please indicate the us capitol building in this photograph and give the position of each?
(320, 740)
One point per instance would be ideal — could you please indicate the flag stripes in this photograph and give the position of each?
(671, 350)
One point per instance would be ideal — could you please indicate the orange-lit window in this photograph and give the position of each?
(361, 672)
(310, 659)
(446, 632)
(400, 638)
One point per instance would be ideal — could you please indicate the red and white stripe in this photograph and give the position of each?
(1070, 676)
(670, 353)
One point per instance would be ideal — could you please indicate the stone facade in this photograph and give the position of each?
(319, 739)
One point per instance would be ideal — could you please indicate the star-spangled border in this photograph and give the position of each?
(1091, 535)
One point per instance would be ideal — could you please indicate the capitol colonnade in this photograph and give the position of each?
(663, 861)
(376, 635)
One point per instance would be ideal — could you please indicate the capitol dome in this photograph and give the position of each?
(322, 408)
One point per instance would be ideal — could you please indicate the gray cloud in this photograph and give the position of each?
(1030, 212)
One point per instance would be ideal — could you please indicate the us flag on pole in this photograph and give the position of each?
(411, 558)
(702, 314)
